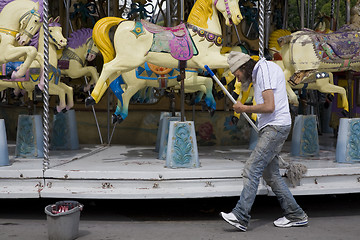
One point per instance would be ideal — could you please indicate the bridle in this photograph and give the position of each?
(90, 41)
(26, 18)
(226, 7)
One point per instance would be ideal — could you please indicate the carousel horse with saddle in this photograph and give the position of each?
(29, 82)
(142, 42)
(309, 58)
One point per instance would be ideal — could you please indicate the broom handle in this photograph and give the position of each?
(229, 95)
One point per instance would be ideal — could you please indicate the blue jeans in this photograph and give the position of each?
(264, 162)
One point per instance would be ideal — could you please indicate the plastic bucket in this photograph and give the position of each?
(63, 220)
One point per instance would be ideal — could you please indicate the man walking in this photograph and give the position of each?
(274, 123)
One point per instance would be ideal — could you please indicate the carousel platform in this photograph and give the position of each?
(135, 172)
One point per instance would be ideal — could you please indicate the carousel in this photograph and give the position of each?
(104, 99)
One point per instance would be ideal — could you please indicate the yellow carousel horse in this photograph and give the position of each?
(19, 21)
(308, 59)
(80, 50)
(56, 41)
(139, 42)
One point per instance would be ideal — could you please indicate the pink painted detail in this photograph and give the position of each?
(180, 44)
(14, 77)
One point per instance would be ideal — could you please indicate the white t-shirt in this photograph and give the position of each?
(268, 75)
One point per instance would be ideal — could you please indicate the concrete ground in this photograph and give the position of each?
(330, 217)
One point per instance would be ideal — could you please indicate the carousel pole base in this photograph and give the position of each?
(4, 154)
(64, 135)
(29, 137)
(305, 140)
(182, 151)
(348, 141)
(161, 126)
(164, 135)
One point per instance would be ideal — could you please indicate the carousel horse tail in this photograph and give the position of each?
(101, 36)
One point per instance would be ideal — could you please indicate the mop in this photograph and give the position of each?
(294, 171)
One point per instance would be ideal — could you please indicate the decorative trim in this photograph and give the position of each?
(210, 37)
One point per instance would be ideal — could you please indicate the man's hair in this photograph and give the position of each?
(247, 68)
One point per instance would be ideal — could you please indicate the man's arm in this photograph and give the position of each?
(267, 107)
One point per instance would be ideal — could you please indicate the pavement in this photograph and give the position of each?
(330, 217)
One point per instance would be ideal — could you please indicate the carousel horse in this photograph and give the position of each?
(80, 50)
(150, 75)
(309, 59)
(19, 21)
(143, 42)
(56, 41)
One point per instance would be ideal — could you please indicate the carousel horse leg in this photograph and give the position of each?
(122, 112)
(57, 90)
(110, 71)
(16, 53)
(69, 93)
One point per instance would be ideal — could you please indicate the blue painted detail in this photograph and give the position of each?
(4, 153)
(209, 70)
(182, 147)
(305, 140)
(64, 132)
(210, 101)
(310, 140)
(116, 88)
(354, 141)
(29, 138)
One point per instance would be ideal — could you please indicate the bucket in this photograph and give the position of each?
(63, 219)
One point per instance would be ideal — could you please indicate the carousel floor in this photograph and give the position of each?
(134, 172)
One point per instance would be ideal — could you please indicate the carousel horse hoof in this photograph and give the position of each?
(37, 94)
(89, 101)
(212, 112)
(345, 113)
(234, 120)
(116, 119)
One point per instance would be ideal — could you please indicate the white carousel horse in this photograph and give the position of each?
(309, 60)
(149, 75)
(56, 41)
(80, 50)
(139, 42)
(19, 21)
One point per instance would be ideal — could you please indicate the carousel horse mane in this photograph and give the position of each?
(200, 13)
(79, 37)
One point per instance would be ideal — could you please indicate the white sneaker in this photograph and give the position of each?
(231, 219)
(284, 222)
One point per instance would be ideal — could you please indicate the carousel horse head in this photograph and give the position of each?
(55, 33)
(30, 23)
(228, 8)
(28, 17)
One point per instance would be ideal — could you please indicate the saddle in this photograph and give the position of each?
(339, 45)
(174, 40)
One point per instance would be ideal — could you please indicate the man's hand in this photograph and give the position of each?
(239, 107)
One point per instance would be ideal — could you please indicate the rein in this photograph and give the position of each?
(9, 31)
(90, 47)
